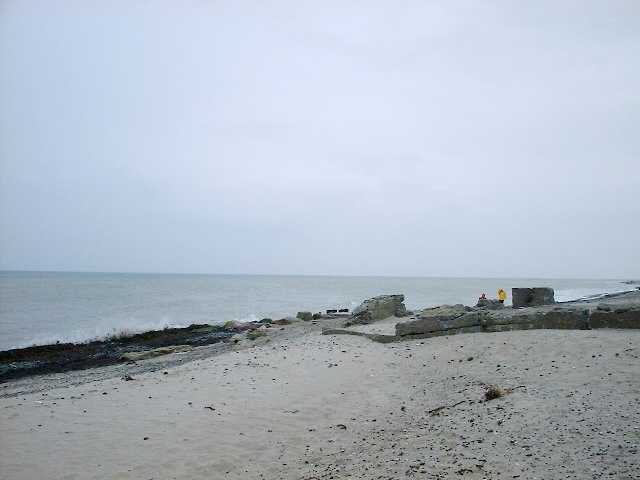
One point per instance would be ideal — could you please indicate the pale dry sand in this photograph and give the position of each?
(321, 407)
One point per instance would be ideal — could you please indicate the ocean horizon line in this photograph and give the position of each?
(323, 275)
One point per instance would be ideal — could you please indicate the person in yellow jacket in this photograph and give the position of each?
(502, 295)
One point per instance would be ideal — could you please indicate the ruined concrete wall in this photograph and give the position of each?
(379, 308)
(621, 318)
(455, 319)
(439, 323)
(531, 297)
(576, 319)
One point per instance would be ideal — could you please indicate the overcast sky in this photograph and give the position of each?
(389, 138)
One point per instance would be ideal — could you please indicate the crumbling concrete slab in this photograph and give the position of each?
(531, 297)
(371, 336)
(619, 318)
(619, 311)
(379, 308)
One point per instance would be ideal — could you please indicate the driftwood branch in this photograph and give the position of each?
(436, 410)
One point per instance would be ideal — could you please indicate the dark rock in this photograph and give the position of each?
(489, 303)
(235, 326)
(156, 352)
(530, 297)
(252, 335)
(282, 321)
(305, 316)
(317, 316)
(238, 337)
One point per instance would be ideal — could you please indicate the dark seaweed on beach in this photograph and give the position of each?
(62, 357)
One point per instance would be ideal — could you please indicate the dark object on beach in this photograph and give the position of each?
(437, 410)
(331, 311)
(62, 357)
(236, 326)
(341, 426)
(317, 316)
(343, 310)
(282, 321)
(253, 334)
(530, 297)
(128, 378)
(493, 392)
(491, 304)
(265, 320)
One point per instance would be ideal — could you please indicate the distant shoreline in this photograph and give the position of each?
(327, 275)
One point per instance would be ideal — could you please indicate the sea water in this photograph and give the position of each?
(45, 307)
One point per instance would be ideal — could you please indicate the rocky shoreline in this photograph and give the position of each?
(128, 349)
(382, 319)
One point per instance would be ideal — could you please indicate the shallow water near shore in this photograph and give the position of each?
(45, 307)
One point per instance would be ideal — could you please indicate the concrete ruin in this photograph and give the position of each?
(532, 297)
(379, 308)
(611, 311)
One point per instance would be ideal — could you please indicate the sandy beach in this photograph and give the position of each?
(308, 406)
(319, 240)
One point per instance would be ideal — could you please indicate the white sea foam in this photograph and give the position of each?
(99, 332)
(587, 293)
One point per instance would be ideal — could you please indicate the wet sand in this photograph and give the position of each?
(307, 406)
